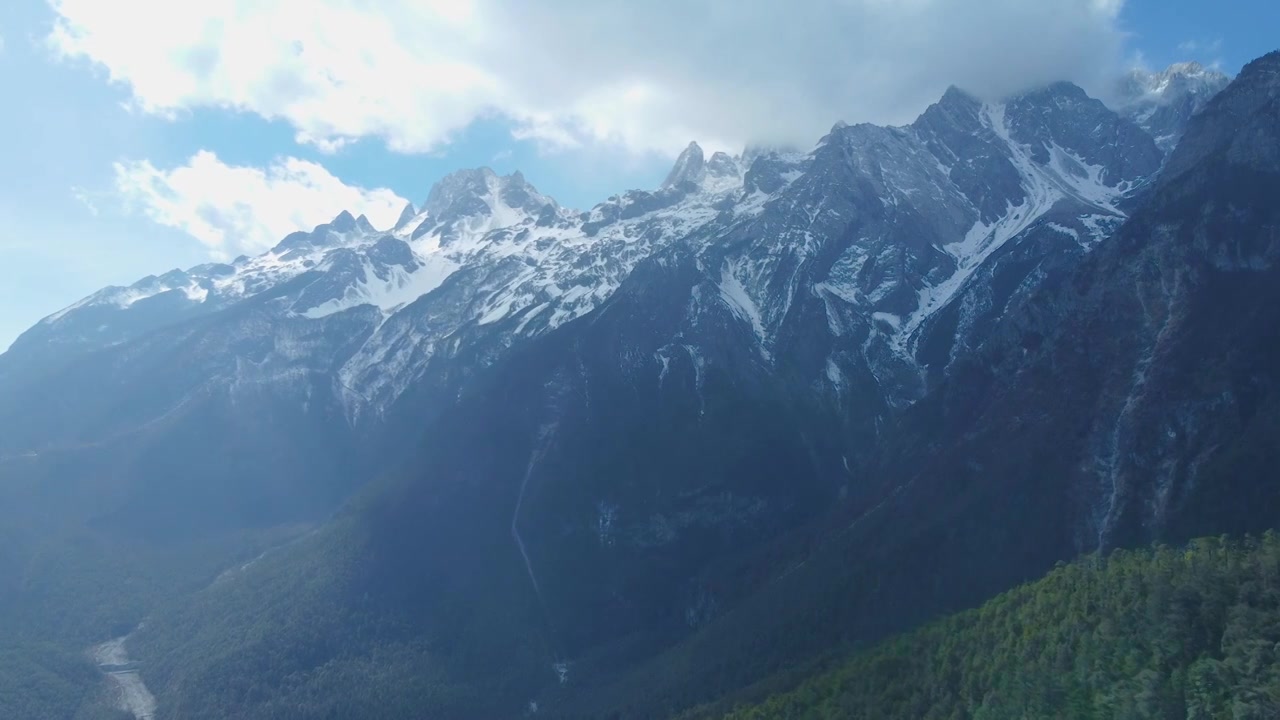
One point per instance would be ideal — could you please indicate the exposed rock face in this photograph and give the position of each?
(1162, 103)
(1136, 397)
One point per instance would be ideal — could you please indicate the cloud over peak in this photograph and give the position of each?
(237, 210)
(642, 76)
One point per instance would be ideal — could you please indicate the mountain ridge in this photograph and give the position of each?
(1177, 71)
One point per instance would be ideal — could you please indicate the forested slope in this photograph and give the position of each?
(1164, 633)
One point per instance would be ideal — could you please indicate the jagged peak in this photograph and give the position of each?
(1190, 68)
(721, 164)
(1185, 68)
(460, 186)
(838, 131)
(343, 222)
(457, 179)
(407, 214)
(690, 167)
(1178, 80)
(1248, 101)
(1059, 89)
(954, 104)
(954, 95)
(479, 193)
(475, 181)
(1267, 65)
(854, 133)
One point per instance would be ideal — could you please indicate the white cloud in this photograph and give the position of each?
(644, 76)
(235, 210)
(1200, 47)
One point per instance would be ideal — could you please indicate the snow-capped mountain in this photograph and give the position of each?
(883, 227)
(849, 278)
(1163, 102)
(1133, 397)
(623, 422)
(859, 271)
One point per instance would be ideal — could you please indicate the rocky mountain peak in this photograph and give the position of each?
(480, 193)
(1170, 84)
(407, 214)
(1236, 124)
(956, 97)
(722, 164)
(516, 192)
(1063, 118)
(344, 222)
(956, 110)
(1264, 72)
(1162, 103)
(460, 193)
(325, 234)
(690, 167)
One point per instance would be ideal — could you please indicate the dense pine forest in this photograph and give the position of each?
(1164, 633)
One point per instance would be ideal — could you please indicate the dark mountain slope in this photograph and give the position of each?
(1133, 391)
(631, 462)
(1133, 400)
(596, 435)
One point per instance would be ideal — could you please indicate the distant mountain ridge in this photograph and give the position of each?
(877, 259)
(1162, 102)
(479, 223)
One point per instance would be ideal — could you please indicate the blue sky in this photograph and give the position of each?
(129, 151)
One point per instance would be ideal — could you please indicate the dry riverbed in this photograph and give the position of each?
(131, 694)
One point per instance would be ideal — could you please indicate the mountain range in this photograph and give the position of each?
(515, 458)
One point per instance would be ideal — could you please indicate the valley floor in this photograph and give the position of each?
(129, 691)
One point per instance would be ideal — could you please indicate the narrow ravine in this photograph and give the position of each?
(515, 529)
(131, 693)
(544, 442)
